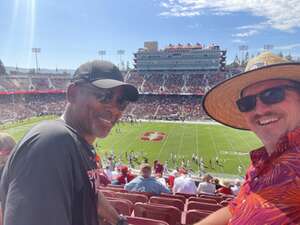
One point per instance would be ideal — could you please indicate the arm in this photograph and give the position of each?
(39, 185)
(106, 211)
(220, 217)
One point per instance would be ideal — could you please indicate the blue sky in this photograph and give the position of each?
(71, 32)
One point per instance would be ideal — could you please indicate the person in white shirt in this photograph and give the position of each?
(184, 184)
(206, 186)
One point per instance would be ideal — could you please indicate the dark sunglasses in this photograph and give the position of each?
(268, 97)
(106, 97)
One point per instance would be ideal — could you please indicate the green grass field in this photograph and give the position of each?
(205, 140)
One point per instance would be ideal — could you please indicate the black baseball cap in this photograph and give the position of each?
(104, 75)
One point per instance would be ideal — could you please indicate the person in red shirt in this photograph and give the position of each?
(266, 100)
(125, 176)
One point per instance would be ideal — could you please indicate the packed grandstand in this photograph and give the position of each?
(170, 82)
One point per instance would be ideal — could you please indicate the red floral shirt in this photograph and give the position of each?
(270, 193)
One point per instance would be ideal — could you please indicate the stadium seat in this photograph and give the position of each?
(205, 200)
(180, 197)
(217, 198)
(185, 195)
(144, 221)
(116, 186)
(107, 193)
(112, 189)
(134, 198)
(193, 216)
(123, 206)
(169, 214)
(168, 201)
(203, 206)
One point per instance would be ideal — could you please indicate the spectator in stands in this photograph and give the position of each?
(7, 143)
(226, 187)
(159, 170)
(206, 186)
(125, 177)
(184, 184)
(216, 181)
(171, 178)
(46, 178)
(146, 183)
(236, 187)
(266, 100)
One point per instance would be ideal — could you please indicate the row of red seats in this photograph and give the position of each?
(173, 209)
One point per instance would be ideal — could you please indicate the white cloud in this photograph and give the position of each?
(239, 41)
(280, 14)
(245, 34)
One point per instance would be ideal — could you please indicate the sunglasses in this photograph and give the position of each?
(107, 96)
(268, 97)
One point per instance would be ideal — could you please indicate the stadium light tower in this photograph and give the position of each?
(102, 53)
(268, 47)
(243, 49)
(120, 53)
(36, 51)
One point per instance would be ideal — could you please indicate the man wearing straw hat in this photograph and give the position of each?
(266, 100)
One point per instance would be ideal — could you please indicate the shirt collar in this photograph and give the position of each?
(288, 141)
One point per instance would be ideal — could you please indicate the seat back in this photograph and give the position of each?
(203, 206)
(169, 214)
(193, 216)
(134, 198)
(168, 201)
(144, 221)
(205, 200)
(108, 193)
(122, 206)
(185, 195)
(217, 198)
(180, 197)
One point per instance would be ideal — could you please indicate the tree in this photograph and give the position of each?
(2, 68)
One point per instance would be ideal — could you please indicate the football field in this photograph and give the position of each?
(223, 150)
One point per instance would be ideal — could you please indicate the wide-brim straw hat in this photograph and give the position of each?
(220, 102)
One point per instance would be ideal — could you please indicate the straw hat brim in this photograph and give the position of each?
(220, 102)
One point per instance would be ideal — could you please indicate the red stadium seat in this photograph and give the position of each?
(180, 197)
(169, 214)
(185, 195)
(203, 206)
(193, 216)
(144, 221)
(217, 198)
(123, 206)
(108, 193)
(205, 200)
(168, 201)
(116, 186)
(134, 198)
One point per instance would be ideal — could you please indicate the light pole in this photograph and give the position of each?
(268, 47)
(36, 51)
(102, 53)
(120, 53)
(243, 49)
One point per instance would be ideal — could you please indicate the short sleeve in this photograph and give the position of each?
(39, 181)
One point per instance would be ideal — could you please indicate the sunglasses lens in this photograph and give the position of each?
(272, 95)
(247, 103)
(122, 103)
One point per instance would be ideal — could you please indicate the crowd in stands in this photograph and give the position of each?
(168, 82)
(19, 107)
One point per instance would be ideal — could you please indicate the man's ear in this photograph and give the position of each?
(72, 93)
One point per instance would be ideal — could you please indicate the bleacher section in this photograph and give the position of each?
(178, 209)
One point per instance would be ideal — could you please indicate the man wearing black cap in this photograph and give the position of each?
(49, 177)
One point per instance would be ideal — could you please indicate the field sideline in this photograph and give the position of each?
(208, 141)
